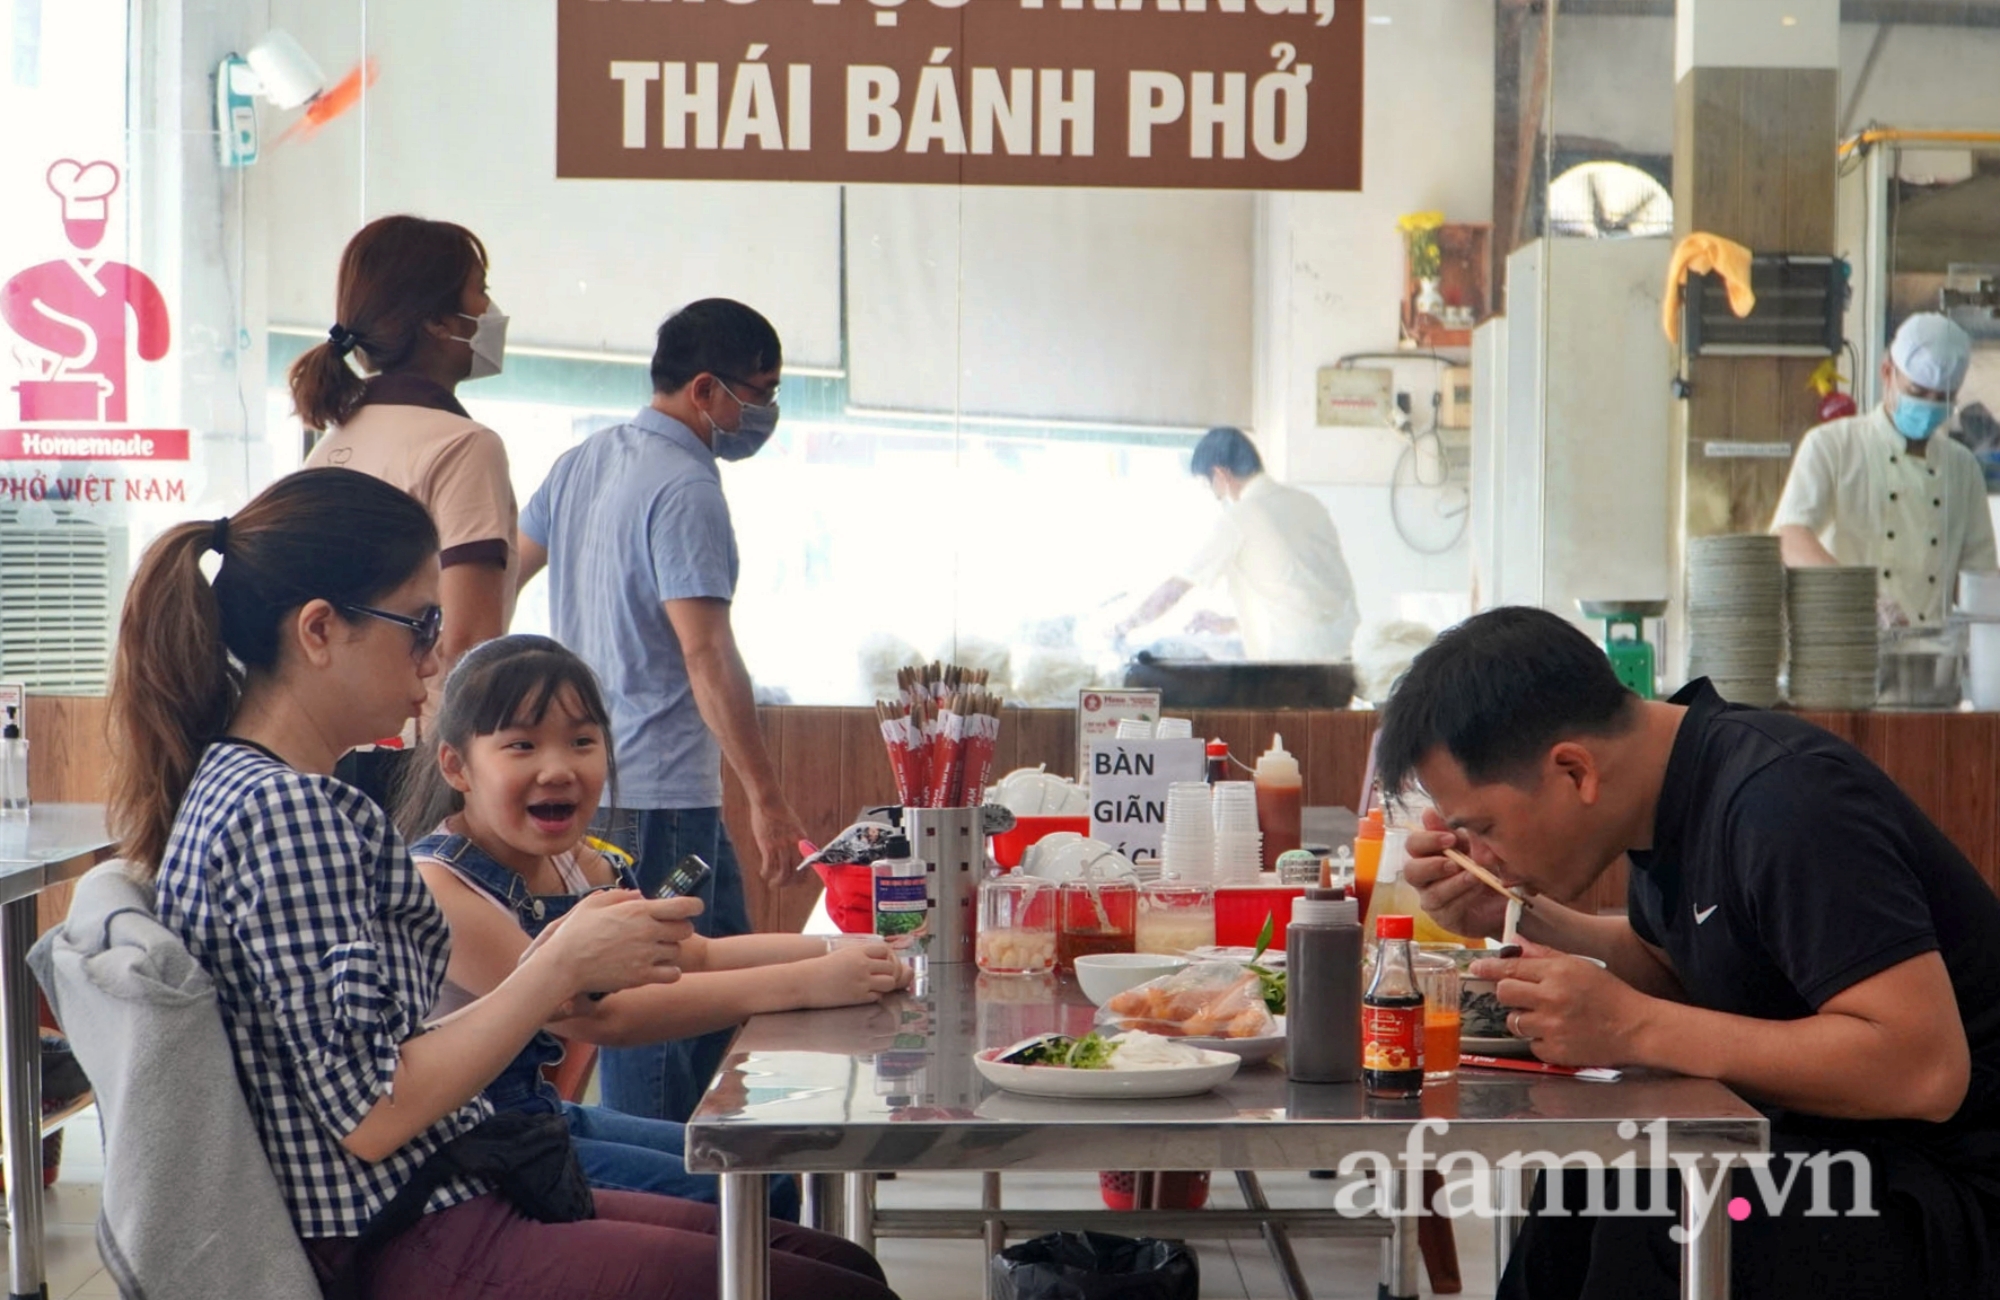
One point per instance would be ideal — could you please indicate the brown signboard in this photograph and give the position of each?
(1171, 94)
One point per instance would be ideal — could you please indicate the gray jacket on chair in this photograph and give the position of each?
(191, 1208)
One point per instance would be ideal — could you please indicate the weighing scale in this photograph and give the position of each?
(1625, 643)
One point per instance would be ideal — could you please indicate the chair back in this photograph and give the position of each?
(571, 1075)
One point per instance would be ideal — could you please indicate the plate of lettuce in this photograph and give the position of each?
(1125, 1065)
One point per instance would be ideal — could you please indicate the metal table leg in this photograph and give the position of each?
(996, 1229)
(1400, 1254)
(743, 1240)
(1275, 1238)
(1704, 1258)
(1510, 1212)
(822, 1203)
(860, 1226)
(21, 1100)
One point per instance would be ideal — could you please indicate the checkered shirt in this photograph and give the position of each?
(298, 897)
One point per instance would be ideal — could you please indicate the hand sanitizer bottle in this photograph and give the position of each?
(13, 766)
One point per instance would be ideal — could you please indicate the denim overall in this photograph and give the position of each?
(521, 1086)
(618, 1152)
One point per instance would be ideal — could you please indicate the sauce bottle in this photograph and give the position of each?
(1368, 857)
(1392, 1015)
(1323, 988)
(1280, 791)
(1218, 762)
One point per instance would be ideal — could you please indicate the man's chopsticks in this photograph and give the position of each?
(1488, 879)
(1517, 902)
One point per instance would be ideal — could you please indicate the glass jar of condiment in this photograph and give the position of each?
(1096, 916)
(1175, 918)
(1017, 925)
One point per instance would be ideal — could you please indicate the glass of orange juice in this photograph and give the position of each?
(1438, 975)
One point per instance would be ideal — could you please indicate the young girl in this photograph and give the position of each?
(230, 702)
(518, 759)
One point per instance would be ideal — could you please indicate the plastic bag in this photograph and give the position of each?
(1210, 999)
(1096, 1266)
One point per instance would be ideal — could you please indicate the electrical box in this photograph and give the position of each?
(1456, 410)
(236, 111)
(1356, 396)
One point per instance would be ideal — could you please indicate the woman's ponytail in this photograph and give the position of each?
(173, 690)
(325, 389)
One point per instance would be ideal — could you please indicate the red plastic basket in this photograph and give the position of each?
(1011, 846)
(850, 896)
(1178, 1191)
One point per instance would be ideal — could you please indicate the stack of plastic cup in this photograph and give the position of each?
(1239, 845)
(1134, 729)
(1174, 729)
(1187, 848)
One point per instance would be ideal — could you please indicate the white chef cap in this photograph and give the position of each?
(1932, 352)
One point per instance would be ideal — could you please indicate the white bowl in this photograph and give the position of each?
(1035, 860)
(1079, 859)
(1103, 976)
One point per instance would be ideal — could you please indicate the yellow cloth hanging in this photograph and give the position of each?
(1701, 254)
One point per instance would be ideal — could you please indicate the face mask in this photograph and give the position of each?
(749, 435)
(488, 342)
(1917, 419)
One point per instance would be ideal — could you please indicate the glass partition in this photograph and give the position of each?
(991, 391)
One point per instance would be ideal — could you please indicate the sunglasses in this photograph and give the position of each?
(424, 629)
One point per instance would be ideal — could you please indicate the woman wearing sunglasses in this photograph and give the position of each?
(414, 321)
(231, 700)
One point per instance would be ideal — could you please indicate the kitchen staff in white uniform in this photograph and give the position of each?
(1277, 553)
(1890, 489)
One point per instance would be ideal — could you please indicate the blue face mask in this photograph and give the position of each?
(1917, 419)
(749, 435)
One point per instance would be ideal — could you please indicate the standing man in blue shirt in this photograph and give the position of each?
(635, 532)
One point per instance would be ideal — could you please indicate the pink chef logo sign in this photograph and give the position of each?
(76, 322)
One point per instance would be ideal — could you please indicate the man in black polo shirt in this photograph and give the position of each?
(1798, 929)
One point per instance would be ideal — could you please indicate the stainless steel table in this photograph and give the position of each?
(892, 1088)
(53, 843)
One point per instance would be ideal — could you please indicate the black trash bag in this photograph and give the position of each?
(1096, 1266)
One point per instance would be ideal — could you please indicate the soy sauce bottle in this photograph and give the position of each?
(1392, 1015)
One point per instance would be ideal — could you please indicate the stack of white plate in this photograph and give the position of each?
(1831, 615)
(1736, 612)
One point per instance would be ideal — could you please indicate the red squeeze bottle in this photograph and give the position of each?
(1280, 792)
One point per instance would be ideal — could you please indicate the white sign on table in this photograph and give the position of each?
(1098, 714)
(1128, 790)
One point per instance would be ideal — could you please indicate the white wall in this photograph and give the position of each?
(1614, 79)
(1331, 277)
(1927, 78)
(462, 129)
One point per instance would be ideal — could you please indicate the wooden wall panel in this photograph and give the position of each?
(810, 774)
(832, 763)
(67, 748)
(1754, 162)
